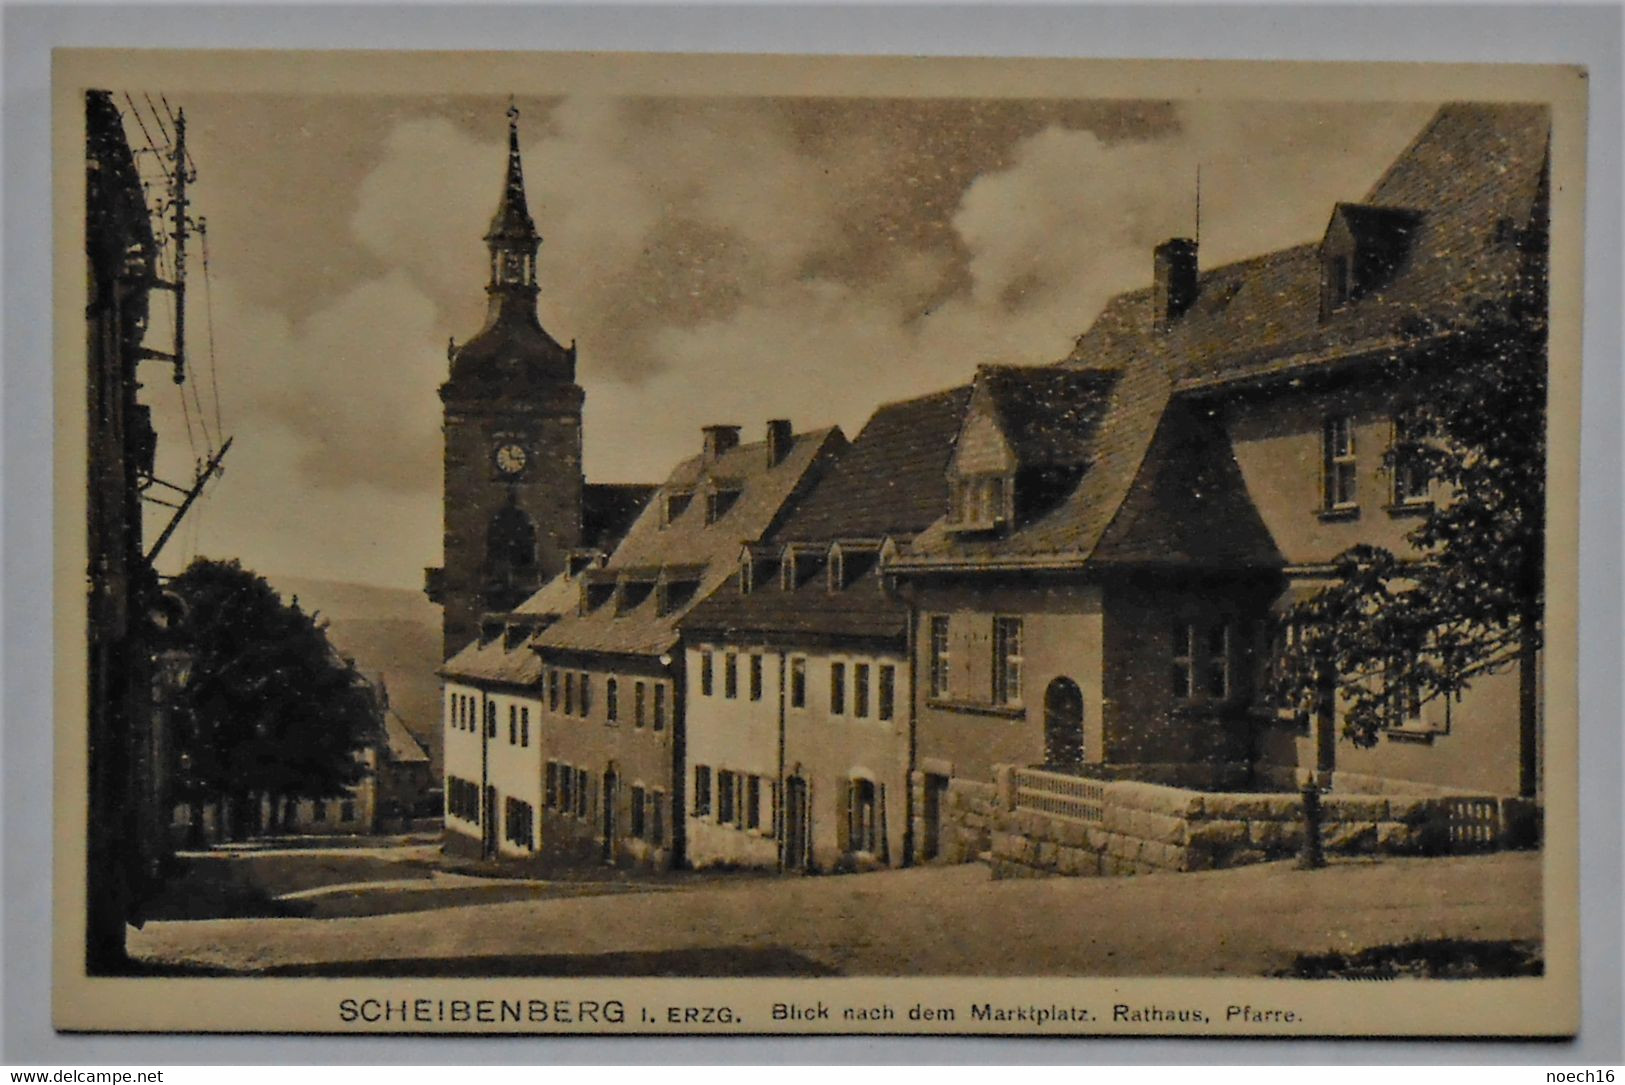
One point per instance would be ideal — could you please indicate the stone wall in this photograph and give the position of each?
(1144, 828)
(966, 817)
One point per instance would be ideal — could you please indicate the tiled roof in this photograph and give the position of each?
(860, 609)
(1473, 176)
(399, 744)
(892, 481)
(1127, 417)
(1048, 414)
(710, 550)
(492, 661)
(608, 511)
(1471, 167)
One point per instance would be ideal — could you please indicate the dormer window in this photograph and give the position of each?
(676, 594)
(597, 594)
(1364, 248)
(756, 569)
(836, 572)
(979, 503)
(717, 504)
(676, 503)
(633, 593)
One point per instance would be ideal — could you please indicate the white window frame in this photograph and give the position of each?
(938, 657)
(1007, 665)
(1337, 457)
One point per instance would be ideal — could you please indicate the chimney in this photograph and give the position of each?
(1173, 280)
(779, 439)
(719, 439)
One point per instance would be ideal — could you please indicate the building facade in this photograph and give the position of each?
(1124, 622)
(566, 715)
(798, 717)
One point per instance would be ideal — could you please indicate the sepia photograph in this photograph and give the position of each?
(938, 545)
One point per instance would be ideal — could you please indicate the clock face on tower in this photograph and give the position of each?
(510, 458)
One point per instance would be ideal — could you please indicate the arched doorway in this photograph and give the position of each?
(1063, 723)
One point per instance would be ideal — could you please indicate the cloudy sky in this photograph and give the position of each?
(717, 260)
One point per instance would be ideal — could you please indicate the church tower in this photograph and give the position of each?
(512, 429)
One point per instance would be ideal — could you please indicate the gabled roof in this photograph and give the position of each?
(400, 746)
(1130, 402)
(892, 481)
(859, 609)
(493, 661)
(1047, 414)
(1474, 169)
(711, 550)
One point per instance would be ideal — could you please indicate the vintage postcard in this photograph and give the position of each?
(670, 544)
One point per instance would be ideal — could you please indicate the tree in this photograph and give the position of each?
(1401, 629)
(272, 711)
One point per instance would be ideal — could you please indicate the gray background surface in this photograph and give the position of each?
(1587, 35)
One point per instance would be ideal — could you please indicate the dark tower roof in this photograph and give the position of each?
(512, 352)
(512, 222)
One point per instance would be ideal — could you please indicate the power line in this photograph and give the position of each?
(208, 310)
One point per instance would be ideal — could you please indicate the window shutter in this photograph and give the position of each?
(843, 819)
(882, 846)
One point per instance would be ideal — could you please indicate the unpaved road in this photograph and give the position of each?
(922, 921)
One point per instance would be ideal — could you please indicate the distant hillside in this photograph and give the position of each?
(391, 633)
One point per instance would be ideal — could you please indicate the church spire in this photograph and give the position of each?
(512, 238)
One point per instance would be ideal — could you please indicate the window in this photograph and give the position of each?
(637, 705)
(717, 504)
(518, 822)
(612, 700)
(553, 690)
(888, 691)
(837, 689)
(725, 796)
(318, 809)
(705, 673)
(581, 793)
(586, 694)
(462, 799)
(567, 790)
(570, 694)
(550, 789)
(862, 823)
(1410, 473)
(753, 802)
(676, 504)
(513, 725)
(730, 676)
(1007, 661)
(939, 656)
(1182, 685)
(656, 803)
(798, 682)
(702, 790)
(346, 811)
(860, 690)
(637, 811)
(1338, 463)
(1218, 662)
(755, 676)
(660, 706)
(524, 726)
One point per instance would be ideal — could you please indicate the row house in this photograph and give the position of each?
(797, 720)
(1123, 531)
(571, 740)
